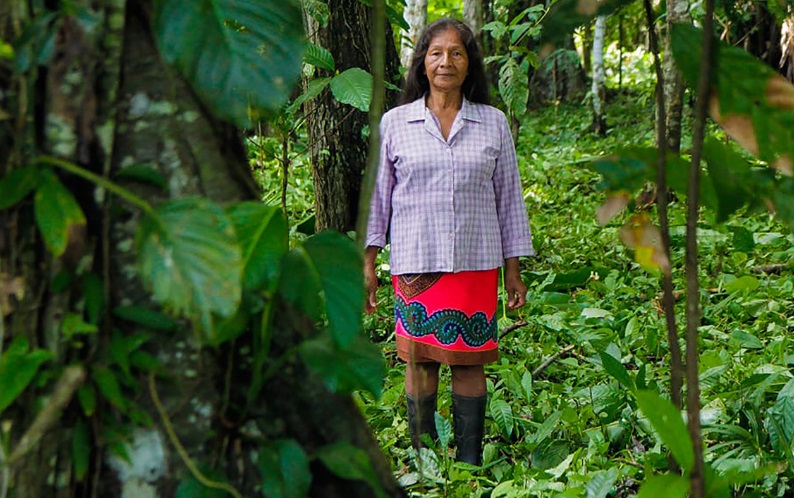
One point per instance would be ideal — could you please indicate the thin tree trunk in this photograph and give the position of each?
(598, 88)
(677, 12)
(415, 14)
(473, 15)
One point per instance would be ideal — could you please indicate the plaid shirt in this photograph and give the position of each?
(450, 205)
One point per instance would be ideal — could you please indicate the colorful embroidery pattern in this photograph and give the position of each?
(446, 325)
(413, 284)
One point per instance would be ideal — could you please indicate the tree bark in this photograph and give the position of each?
(473, 15)
(677, 12)
(415, 14)
(336, 130)
(598, 89)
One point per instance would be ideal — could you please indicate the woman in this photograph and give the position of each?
(449, 195)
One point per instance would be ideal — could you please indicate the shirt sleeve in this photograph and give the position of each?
(380, 205)
(510, 208)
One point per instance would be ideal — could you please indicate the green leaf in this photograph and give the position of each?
(18, 368)
(146, 317)
(299, 283)
(546, 428)
(235, 53)
(745, 284)
(349, 462)
(73, 324)
(339, 264)
(601, 483)
(616, 369)
(189, 257)
(502, 415)
(667, 485)
(285, 471)
(496, 28)
(780, 420)
(443, 429)
(549, 455)
(315, 88)
(564, 16)
(145, 362)
(190, 487)
(57, 213)
(669, 426)
(353, 87)
(743, 240)
(262, 235)
(94, 294)
(81, 449)
(142, 173)
(16, 185)
(86, 395)
(359, 366)
(526, 384)
(319, 57)
(514, 86)
(108, 384)
(730, 174)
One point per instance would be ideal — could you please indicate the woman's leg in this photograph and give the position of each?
(421, 387)
(468, 410)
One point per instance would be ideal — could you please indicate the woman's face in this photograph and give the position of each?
(446, 62)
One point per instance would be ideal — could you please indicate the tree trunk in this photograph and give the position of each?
(787, 49)
(107, 102)
(677, 12)
(415, 14)
(338, 145)
(598, 89)
(473, 15)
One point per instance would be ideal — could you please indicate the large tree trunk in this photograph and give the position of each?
(108, 102)
(677, 12)
(338, 146)
(415, 14)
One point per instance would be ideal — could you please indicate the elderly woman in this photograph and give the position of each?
(449, 196)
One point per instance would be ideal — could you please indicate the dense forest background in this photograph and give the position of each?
(180, 277)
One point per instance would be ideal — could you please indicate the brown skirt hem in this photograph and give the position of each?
(417, 352)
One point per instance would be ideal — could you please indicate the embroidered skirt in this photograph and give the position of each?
(447, 318)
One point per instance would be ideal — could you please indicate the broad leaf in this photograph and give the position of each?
(565, 16)
(18, 368)
(359, 366)
(81, 449)
(349, 462)
(780, 420)
(730, 175)
(602, 483)
(190, 487)
(547, 427)
(236, 53)
(502, 415)
(17, 184)
(58, 215)
(667, 485)
(353, 87)
(616, 369)
(108, 384)
(284, 468)
(319, 57)
(263, 238)
(315, 88)
(143, 173)
(443, 429)
(514, 86)
(189, 257)
(669, 426)
(148, 318)
(338, 262)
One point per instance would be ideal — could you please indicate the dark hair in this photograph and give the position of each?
(475, 86)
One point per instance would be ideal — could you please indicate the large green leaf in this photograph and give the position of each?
(16, 185)
(57, 213)
(190, 487)
(669, 426)
(319, 57)
(502, 415)
(108, 384)
(780, 420)
(667, 485)
(730, 175)
(284, 468)
(236, 53)
(353, 87)
(315, 88)
(18, 367)
(359, 366)
(514, 86)
(262, 234)
(616, 369)
(349, 462)
(602, 483)
(339, 265)
(189, 257)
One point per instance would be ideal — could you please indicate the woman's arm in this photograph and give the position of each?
(515, 287)
(371, 278)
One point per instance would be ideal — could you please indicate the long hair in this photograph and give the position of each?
(475, 86)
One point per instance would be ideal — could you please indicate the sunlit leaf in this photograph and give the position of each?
(353, 87)
(236, 53)
(646, 240)
(669, 426)
(58, 215)
(190, 259)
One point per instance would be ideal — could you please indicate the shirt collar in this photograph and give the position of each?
(468, 111)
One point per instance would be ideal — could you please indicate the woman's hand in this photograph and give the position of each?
(371, 279)
(515, 287)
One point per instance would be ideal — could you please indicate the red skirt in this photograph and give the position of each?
(448, 318)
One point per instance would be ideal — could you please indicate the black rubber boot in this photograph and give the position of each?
(421, 418)
(469, 417)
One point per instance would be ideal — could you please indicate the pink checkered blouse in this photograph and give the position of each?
(448, 205)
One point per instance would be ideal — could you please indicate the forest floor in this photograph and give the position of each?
(561, 423)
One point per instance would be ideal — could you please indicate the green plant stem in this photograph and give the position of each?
(697, 477)
(676, 362)
(98, 180)
(378, 40)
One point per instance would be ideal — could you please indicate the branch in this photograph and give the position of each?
(512, 328)
(71, 379)
(776, 269)
(551, 359)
